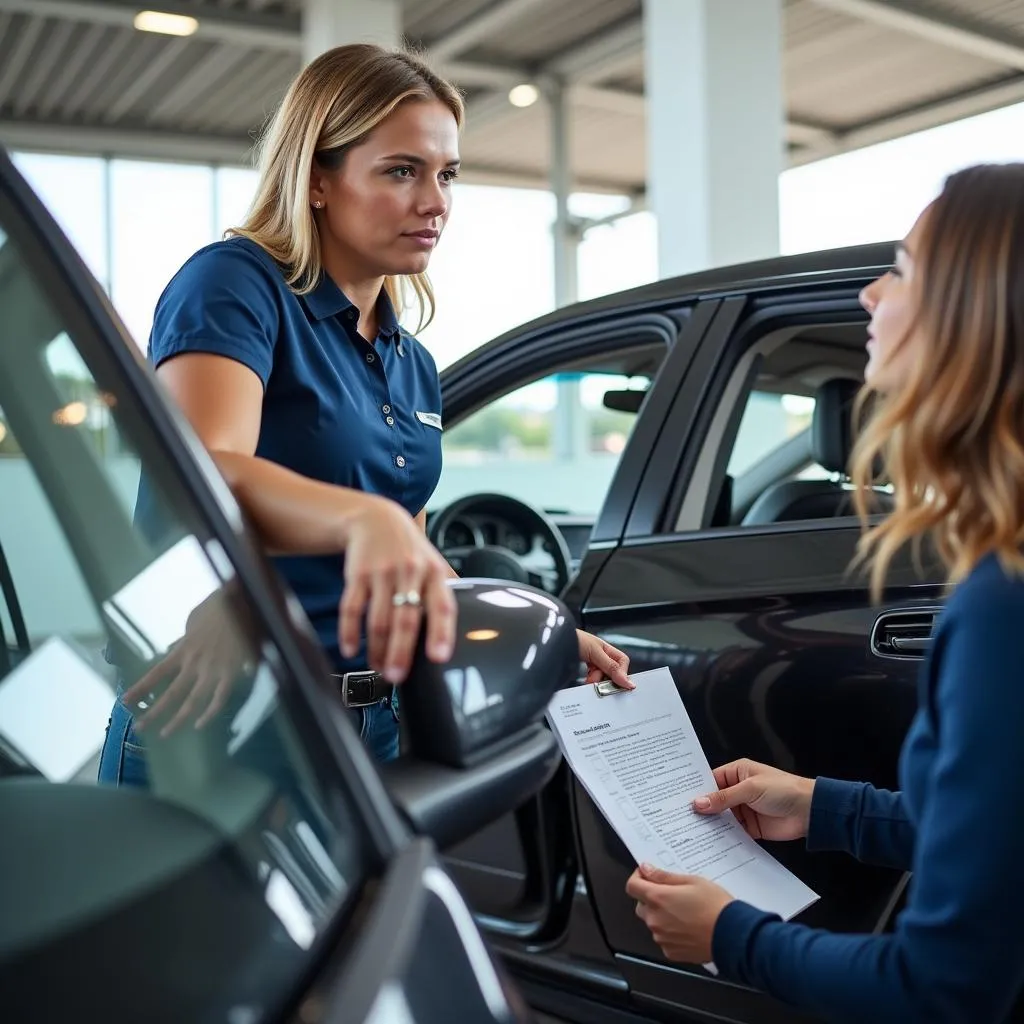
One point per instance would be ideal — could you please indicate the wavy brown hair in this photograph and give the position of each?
(333, 105)
(950, 439)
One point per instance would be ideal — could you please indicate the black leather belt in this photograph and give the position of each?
(362, 689)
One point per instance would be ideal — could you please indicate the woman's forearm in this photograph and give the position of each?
(293, 514)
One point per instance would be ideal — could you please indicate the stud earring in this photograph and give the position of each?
(318, 204)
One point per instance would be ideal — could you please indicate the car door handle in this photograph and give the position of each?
(906, 633)
(911, 644)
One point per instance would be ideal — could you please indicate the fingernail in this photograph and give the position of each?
(440, 652)
(702, 803)
(393, 674)
(647, 868)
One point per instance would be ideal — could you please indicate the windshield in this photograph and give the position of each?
(193, 884)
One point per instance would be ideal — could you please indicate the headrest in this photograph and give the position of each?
(832, 425)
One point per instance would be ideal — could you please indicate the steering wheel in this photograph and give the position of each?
(493, 561)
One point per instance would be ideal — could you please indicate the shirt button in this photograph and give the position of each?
(370, 357)
(385, 409)
(390, 421)
(400, 462)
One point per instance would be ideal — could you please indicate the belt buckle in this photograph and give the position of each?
(359, 690)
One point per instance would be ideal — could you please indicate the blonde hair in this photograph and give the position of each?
(950, 439)
(334, 103)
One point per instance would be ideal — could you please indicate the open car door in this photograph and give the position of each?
(262, 864)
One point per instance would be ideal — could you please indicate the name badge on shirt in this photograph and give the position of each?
(431, 419)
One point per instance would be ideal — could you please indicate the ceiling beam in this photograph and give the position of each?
(480, 27)
(173, 147)
(929, 115)
(254, 29)
(145, 80)
(191, 88)
(218, 24)
(488, 109)
(954, 33)
(169, 147)
(603, 56)
(17, 60)
(58, 84)
(806, 133)
(489, 76)
(611, 101)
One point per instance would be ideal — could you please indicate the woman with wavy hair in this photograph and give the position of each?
(282, 345)
(945, 379)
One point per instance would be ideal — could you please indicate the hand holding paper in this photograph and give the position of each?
(636, 754)
(680, 911)
(770, 804)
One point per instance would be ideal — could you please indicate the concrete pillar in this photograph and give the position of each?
(329, 23)
(565, 233)
(569, 434)
(715, 130)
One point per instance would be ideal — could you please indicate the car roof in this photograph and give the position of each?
(859, 261)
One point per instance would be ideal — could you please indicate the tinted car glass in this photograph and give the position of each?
(200, 888)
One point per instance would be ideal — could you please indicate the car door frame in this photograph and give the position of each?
(512, 360)
(670, 471)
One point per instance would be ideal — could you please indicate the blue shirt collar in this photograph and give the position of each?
(327, 299)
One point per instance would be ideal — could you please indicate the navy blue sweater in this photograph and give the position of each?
(956, 955)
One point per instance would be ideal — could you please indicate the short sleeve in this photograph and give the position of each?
(223, 301)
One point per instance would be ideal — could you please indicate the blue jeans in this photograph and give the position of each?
(123, 758)
(378, 728)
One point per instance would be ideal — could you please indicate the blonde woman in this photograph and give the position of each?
(283, 347)
(946, 367)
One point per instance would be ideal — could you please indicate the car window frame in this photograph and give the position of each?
(743, 321)
(537, 351)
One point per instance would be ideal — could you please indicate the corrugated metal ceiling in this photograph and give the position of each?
(75, 75)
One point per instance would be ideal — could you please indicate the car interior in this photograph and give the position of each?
(542, 546)
(804, 476)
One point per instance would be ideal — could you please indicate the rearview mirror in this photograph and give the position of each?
(476, 743)
(626, 400)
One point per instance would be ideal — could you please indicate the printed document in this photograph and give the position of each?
(636, 754)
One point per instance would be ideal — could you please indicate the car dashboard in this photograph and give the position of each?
(519, 537)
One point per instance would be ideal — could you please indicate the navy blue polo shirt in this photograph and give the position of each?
(336, 407)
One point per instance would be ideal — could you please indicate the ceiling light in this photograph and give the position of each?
(167, 24)
(524, 95)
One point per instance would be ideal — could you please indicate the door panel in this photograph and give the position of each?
(768, 638)
(519, 874)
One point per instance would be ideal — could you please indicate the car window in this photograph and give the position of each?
(769, 420)
(203, 882)
(553, 444)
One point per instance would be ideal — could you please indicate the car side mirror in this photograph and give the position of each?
(476, 743)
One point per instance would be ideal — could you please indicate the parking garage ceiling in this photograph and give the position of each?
(76, 76)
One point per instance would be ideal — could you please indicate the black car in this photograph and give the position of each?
(685, 499)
